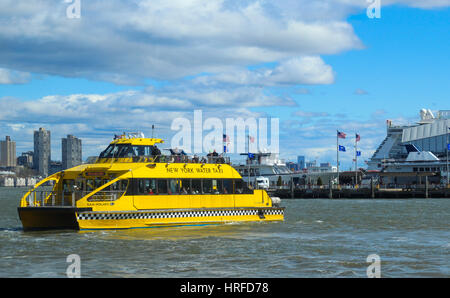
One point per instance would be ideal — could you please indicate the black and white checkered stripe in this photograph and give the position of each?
(174, 214)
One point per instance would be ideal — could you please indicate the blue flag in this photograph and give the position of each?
(251, 155)
(341, 148)
(358, 153)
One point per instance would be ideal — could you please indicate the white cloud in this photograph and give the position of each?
(9, 77)
(303, 70)
(127, 41)
(306, 70)
(98, 116)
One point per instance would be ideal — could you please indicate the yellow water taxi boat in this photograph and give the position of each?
(131, 185)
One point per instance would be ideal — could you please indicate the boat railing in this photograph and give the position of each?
(49, 198)
(168, 159)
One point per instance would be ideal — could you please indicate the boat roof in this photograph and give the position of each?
(137, 141)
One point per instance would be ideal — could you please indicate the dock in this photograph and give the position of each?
(362, 193)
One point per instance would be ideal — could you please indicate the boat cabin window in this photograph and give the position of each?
(227, 186)
(68, 186)
(185, 186)
(162, 187)
(146, 186)
(173, 186)
(93, 183)
(109, 193)
(155, 186)
(240, 187)
(126, 150)
(196, 186)
(211, 186)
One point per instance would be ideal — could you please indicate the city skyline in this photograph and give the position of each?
(306, 160)
(39, 158)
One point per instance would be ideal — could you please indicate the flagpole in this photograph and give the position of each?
(447, 133)
(337, 156)
(356, 161)
(248, 158)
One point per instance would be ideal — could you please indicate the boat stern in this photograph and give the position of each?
(50, 218)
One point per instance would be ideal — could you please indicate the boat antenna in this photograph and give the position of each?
(153, 128)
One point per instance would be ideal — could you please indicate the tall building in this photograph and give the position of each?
(42, 151)
(71, 152)
(8, 153)
(26, 159)
(301, 162)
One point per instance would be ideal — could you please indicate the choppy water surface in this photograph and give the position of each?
(319, 238)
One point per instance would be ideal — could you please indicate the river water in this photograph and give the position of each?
(319, 238)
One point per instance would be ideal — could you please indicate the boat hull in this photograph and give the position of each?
(49, 218)
(39, 218)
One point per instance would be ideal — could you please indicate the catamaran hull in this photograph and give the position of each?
(39, 218)
(49, 218)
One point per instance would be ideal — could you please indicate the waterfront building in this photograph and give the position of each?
(429, 134)
(7, 181)
(310, 164)
(292, 166)
(42, 151)
(71, 152)
(322, 168)
(8, 153)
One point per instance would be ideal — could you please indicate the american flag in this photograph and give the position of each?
(341, 135)
(358, 137)
(252, 139)
(226, 139)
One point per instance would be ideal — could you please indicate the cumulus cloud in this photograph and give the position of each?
(306, 70)
(10, 77)
(128, 41)
(95, 117)
(233, 50)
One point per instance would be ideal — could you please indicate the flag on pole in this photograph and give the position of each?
(341, 135)
(358, 153)
(341, 148)
(252, 139)
(226, 139)
(358, 137)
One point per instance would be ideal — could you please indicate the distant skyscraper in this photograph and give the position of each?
(42, 151)
(26, 159)
(8, 153)
(301, 162)
(71, 152)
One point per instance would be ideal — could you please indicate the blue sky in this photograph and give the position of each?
(317, 66)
